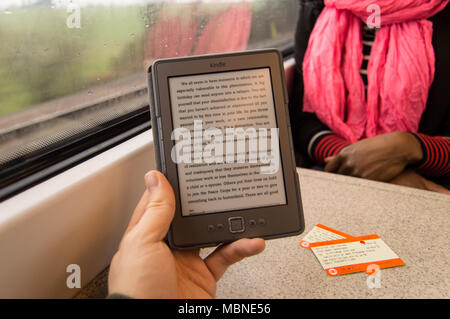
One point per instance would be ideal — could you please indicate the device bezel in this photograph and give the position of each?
(192, 231)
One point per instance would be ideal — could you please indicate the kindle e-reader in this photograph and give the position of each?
(222, 138)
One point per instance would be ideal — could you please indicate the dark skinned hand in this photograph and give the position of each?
(379, 158)
(411, 179)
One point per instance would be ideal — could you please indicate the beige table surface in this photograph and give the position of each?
(414, 223)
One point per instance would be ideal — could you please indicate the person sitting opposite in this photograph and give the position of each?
(374, 102)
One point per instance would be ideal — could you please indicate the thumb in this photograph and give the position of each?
(159, 209)
(332, 164)
(224, 256)
(435, 187)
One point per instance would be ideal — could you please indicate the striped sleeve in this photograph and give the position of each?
(436, 155)
(326, 145)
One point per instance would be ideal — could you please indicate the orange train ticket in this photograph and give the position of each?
(349, 255)
(321, 233)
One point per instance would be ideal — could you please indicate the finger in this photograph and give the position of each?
(334, 164)
(344, 170)
(328, 159)
(159, 207)
(224, 256)
(435, 187)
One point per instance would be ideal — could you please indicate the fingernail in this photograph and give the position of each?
(152, 180)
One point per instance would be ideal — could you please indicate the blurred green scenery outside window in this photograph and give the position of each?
(55, 48)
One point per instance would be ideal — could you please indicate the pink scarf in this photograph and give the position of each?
(400, 71)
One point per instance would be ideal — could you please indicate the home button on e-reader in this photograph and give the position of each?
(236, 224)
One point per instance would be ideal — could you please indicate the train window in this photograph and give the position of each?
(73, 72)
